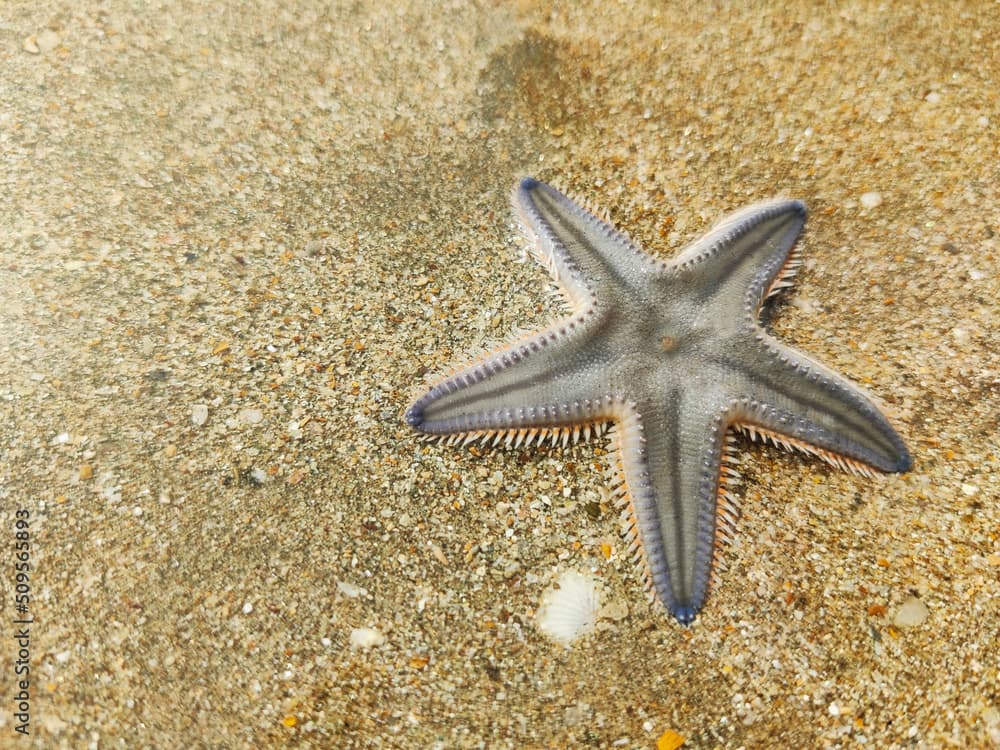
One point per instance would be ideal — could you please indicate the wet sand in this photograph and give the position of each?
(234, 241)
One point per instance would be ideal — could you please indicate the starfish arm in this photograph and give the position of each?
(742, 259)
(799, 403)
(579, 249)
(545, 380)
(671, 454)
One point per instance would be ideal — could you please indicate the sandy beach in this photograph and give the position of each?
(236, 239)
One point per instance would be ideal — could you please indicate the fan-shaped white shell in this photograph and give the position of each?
(569, 607)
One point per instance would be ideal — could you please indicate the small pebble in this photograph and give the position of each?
(912, 613)
(871, 200)
(250, 416)
(805, 305)
(53, 724)
(348, 589)
(47, 40)
(366, 638)
(199, 414)
(511, 569)
(616, 610)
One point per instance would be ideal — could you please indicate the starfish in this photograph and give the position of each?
(673, 354)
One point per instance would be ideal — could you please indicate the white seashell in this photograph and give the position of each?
(569, 608)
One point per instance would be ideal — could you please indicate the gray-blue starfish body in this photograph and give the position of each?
(673, 353)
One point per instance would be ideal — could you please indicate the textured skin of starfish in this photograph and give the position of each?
(674, 355)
